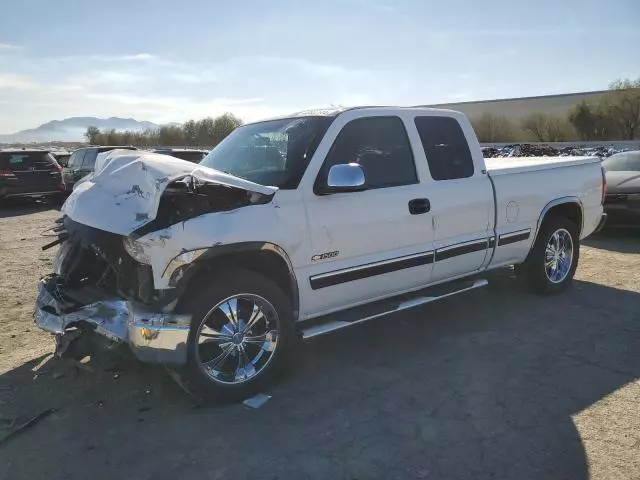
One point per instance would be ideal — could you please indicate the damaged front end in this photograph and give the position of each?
(96, 286)
(103, 281)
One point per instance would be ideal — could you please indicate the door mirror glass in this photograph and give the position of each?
(346, 177)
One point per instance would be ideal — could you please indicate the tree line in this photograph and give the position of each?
(207, 132)
(614, 116)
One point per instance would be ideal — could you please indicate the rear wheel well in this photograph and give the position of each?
(265, 262)
(570, 210)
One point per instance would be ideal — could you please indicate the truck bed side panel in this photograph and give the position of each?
(522, 195)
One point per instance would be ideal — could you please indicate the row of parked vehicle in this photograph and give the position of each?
(38, 173)
(48, 174)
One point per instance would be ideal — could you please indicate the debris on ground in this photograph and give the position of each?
(257, 400)
(543, 150)
(26, 425)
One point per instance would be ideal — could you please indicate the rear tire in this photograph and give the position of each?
(553, 259)
(242, 333)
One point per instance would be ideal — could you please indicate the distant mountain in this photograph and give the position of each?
(73, 129)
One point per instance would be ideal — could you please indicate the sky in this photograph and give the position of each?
(168, 61)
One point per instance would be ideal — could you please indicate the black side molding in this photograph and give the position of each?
(454, 251)
(369, 270)
(513, 237)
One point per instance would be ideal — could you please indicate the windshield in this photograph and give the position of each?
(274, 153)
(623, 162)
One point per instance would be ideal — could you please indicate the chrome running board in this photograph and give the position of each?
(353, 316)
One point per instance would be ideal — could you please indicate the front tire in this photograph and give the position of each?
(242, 332)
(553, 259)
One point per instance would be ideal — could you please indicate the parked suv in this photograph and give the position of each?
(29, 173)
(82, 162)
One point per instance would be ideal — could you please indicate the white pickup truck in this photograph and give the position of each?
(298, 226)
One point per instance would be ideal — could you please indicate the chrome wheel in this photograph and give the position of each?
(237, 338)
(558, 256)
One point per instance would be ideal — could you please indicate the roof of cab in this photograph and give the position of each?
(335, 111)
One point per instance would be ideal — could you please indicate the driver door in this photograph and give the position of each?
(365, 244)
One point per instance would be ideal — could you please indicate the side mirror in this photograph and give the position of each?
(346, 177)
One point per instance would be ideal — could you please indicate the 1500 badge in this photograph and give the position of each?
(324, 256)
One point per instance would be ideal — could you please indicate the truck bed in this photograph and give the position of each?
(507, 165)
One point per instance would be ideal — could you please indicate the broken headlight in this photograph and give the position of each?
(136, 250)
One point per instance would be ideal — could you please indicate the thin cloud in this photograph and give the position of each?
(378, 7)
(17, 82)
(9, 46)
(385, 8)
(106, 78)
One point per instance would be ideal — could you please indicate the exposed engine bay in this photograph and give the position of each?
(94, 265)
(189, 198)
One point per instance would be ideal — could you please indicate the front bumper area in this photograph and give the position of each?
(155, 337)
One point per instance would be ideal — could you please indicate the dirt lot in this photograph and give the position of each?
(498, 383)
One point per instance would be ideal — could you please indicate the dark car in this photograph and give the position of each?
(622, 203)
(189, 154)
(29, 173)
(81, 163)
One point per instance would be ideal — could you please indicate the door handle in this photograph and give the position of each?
(419, 205)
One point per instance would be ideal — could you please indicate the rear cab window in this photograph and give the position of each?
(446, 147)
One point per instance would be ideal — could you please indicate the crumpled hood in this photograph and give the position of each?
(623, 182)
(123, 192)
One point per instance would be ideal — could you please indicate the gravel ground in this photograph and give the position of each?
(497, 383)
